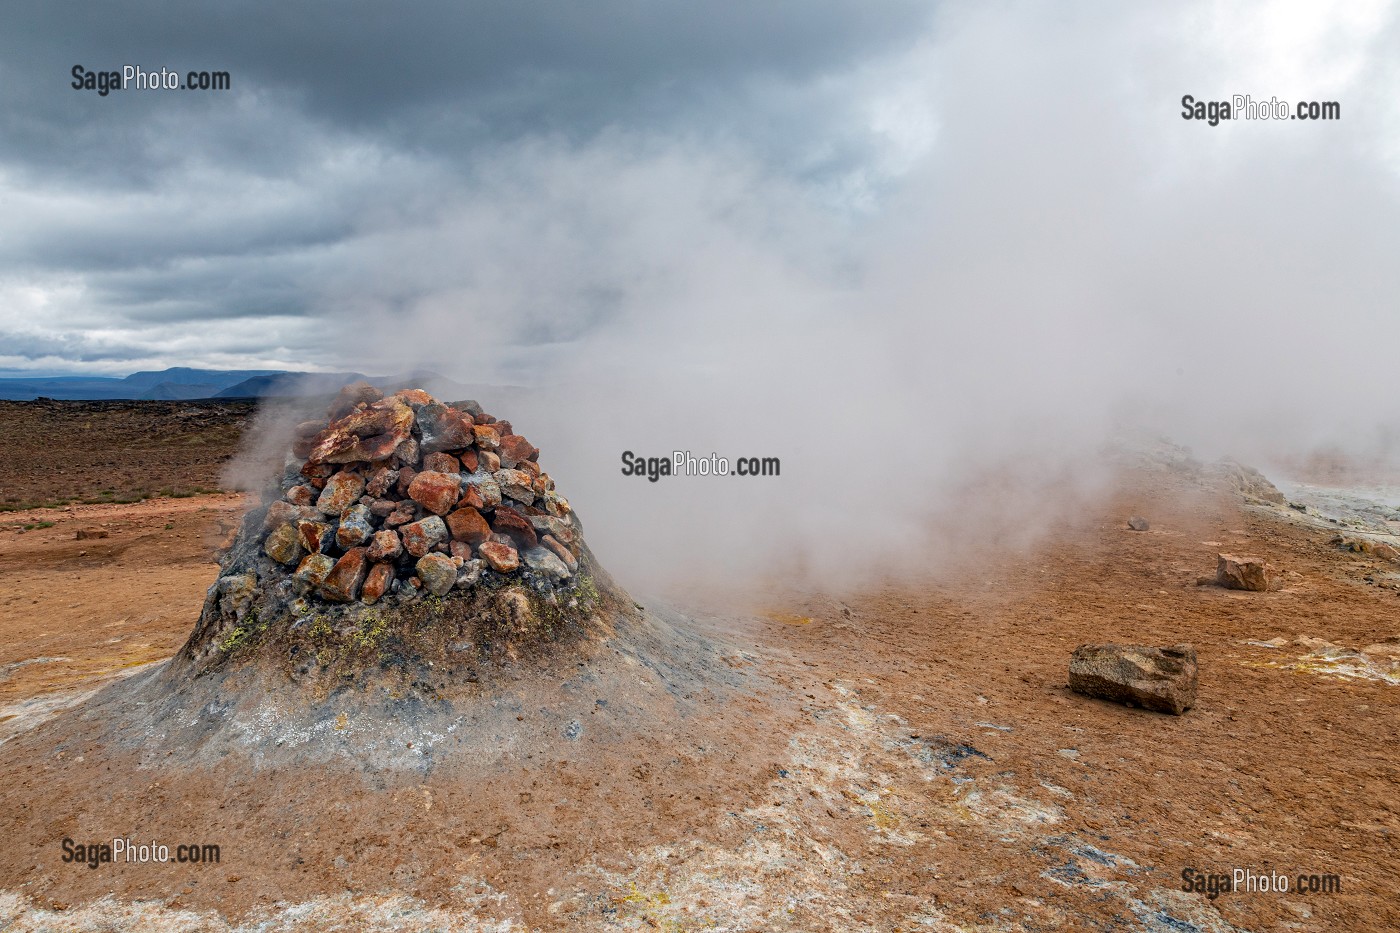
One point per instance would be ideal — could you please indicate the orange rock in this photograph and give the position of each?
(342, 584)
(487, 438)
(442, 463)
(371, 433)
(377, 583)
(515, 448)
(436, 492)
(501, 558)
(515, 526)
(385, 545)
(467, 524)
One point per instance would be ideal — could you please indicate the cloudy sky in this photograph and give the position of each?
(531, 175)
(966, 236)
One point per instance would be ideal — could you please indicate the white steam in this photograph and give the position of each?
(1042, 250)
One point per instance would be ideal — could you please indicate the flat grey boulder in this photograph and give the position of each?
(1161, 679)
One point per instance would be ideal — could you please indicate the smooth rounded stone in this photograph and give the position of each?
(487, 487)
(438, 573)
(342, 491)
(545, 562)
(467, 524)
(501, 558)
(356, 527)
(444, 428)
(315, 536)
(422, 536)
(436, 492)
(313, 570)
(1242, 573)
(283, 545)
(508, 521)
(1161, 679)
(385, 545)
(469, 573)
(378, 581)
(342, 584)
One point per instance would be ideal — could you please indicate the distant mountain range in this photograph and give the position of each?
(181, 383)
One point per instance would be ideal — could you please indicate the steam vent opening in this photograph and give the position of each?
(413, 583)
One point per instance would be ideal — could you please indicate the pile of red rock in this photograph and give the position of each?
(404, 494)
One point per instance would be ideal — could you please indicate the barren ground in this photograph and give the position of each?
(909, 757)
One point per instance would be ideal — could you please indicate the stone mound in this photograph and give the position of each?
(405, 533)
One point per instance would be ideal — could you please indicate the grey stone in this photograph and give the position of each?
(546, 563)
(438, 573)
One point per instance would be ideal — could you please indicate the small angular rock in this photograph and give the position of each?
(436, 492)
(1161, 679)
(545, 562)
(501, 558)
(342, 584)
(560, 552)
(301, 495)
(438, 573)
(467, 524)
(313, 570)
(385, 545)
(1137, 523)
(515, 448)
(355, 527)
(486, 436)
(517, 527)
(282, 544)
(442, 463)
(381, 481)
(1242, 573)
(444, 428)
(377, 582)
(314, 536)
(421, 537)
(342, 491)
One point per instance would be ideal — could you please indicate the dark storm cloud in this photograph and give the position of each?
(347, 121)
(445, 75)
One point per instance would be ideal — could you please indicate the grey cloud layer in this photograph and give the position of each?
(347, 121)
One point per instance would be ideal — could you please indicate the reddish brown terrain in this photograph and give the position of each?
(903, 757)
